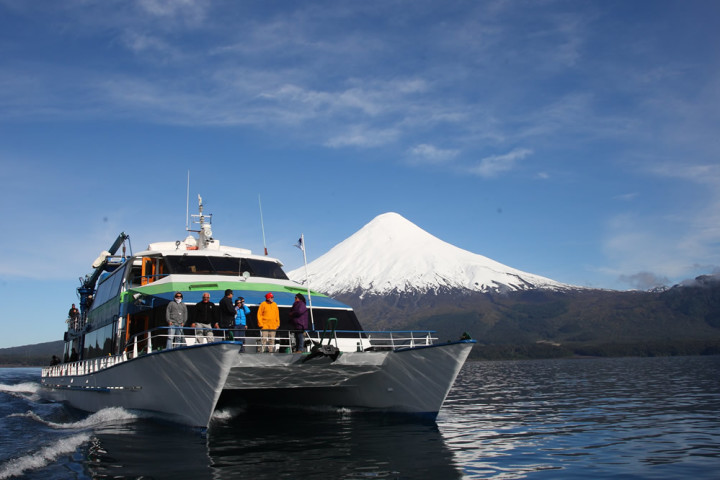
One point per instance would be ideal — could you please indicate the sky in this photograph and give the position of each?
(577, 140)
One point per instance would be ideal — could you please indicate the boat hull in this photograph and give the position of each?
(410, 380)
(180, 385)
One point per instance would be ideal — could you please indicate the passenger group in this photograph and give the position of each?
(229, 320)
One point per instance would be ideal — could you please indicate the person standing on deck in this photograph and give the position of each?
(240, 321)
(206, 312)
(74, 316)
(299, 321)
(268, 318)
(227, 313)
(176, 316)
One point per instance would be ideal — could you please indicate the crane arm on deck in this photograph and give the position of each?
(87, 286)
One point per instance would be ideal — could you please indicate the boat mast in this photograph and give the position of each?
(187, 204)
(262, 226)
(301, 246)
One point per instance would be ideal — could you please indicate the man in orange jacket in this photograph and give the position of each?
(268, 318)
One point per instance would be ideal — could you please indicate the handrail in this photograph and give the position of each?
(155, 340)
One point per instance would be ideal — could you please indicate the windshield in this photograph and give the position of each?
(191, 264)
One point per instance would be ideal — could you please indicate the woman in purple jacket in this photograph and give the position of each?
(299, 321)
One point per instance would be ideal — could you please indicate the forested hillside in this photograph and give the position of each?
(538, 323)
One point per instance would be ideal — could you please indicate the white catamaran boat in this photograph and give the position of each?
(117, 351)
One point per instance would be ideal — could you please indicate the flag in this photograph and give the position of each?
(300, 245)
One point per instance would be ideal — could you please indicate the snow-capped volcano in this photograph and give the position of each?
(392, 255)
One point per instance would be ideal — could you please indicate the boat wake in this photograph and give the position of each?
(25, 387)
(26, 390)
(101, 417)
(43, 457)
(226, 414)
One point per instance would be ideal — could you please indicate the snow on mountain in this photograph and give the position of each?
(392, 255)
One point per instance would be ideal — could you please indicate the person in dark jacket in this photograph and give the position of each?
(204, 319)
(206, 312)
(299, 321)
(227, 313)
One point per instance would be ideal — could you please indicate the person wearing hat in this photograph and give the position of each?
(176, 315)
(241, 314)
(268, 318)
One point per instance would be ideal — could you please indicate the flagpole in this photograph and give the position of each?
(262, 226)
(307, 279)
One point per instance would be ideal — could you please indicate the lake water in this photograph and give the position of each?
(591, 418)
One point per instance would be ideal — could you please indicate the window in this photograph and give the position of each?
(201, 265)
(109, 287)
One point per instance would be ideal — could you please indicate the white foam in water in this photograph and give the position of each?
(27, 387)
(43, 457)
(100, 417)
(226, 414)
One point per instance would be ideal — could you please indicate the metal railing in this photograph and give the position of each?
(83, 367)
(157, 339)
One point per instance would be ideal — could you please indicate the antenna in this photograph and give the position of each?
(301, 246)
(187, 204)
(262, 225)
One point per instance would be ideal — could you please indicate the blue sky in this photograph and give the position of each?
(577, 140)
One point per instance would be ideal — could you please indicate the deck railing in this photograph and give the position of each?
(156, 340)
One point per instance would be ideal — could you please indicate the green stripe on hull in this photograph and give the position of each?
(155, 289)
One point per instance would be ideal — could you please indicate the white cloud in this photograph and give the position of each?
(362, 136)
(670, 243)
(626, 197)
(494, 165)
(429, 154)
(191, 12)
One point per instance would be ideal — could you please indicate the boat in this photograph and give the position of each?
(124, 357)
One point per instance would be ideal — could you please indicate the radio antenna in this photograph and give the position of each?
(187, 204)
(262, 226)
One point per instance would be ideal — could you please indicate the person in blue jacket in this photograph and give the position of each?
(241, 311)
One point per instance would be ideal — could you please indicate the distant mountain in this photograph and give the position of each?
(397, 276)
(36, 355)
(391, 255)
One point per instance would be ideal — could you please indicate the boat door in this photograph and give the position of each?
(152, 269)
(137, 323)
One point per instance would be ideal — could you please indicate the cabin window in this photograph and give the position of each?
(190, 264)
(99, 343)
(109, 287)
(153, 268)
(262, 268)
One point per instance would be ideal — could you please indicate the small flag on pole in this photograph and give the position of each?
(300, 245)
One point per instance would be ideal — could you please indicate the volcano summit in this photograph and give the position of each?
(391, 255)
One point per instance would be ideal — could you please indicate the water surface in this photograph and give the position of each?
(592, 418)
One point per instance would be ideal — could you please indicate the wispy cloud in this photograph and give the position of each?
(670, 243)
(362, 136)
(430, 154)
(626, 197)
(495, 165)
(644, 280)
(188, 12)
